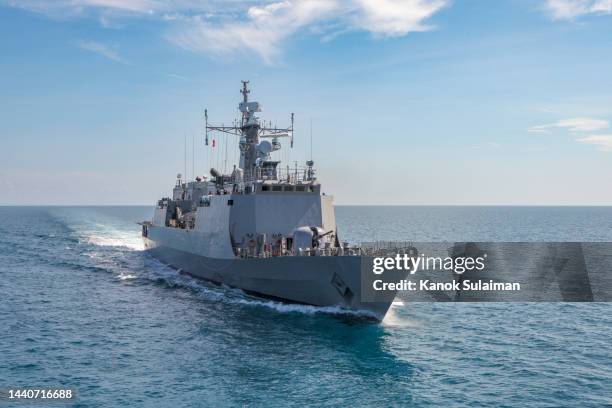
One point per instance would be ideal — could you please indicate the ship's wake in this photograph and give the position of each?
(125, 241)
(108, 236)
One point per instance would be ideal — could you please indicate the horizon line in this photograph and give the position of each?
(335, 205)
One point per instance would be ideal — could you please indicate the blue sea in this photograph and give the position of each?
(82, 306)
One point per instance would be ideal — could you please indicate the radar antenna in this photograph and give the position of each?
(206, 120)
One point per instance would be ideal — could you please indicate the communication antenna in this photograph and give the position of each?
(185, 135)
(225, 162)
(206, 158)
(193, 156)
(311, 138)
(292, 130)
(206, 127)
(245, 91)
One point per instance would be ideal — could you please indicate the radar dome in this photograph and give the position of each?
(264, 147)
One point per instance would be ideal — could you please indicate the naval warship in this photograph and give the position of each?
(263, 228)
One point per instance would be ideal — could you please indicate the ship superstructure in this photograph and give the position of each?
(263, 228)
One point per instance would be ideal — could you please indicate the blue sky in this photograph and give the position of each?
(412, 101)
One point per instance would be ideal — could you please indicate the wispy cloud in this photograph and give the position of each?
(101, 49)
(261, 31)
(140, 6)
(258, 27)
(604, 142)
(571, 9)
(177, 76)
(581, 125)
(573, 125)
(488, 145)
(73, 8)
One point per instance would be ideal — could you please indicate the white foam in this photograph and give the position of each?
(105, 234)
(116, 240)
(304, 309)
(394, 317)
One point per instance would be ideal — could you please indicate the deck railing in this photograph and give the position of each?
(290, 175)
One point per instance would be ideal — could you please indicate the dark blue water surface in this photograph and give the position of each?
(82, 306)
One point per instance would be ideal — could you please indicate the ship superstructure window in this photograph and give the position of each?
(230, 202)
(288, 188)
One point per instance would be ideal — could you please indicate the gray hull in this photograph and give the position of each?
(312, 280)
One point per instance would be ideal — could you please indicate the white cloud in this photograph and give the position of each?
(571, 9)
(263, 29)
(101, 49)
(604, 142)
(259, 27)
(573, 125)
(395, 17)
(261, 33)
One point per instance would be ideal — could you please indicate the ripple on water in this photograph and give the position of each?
(87, 308)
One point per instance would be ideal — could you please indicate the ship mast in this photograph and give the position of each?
(250, 131)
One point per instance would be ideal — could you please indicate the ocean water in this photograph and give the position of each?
(82, 306)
